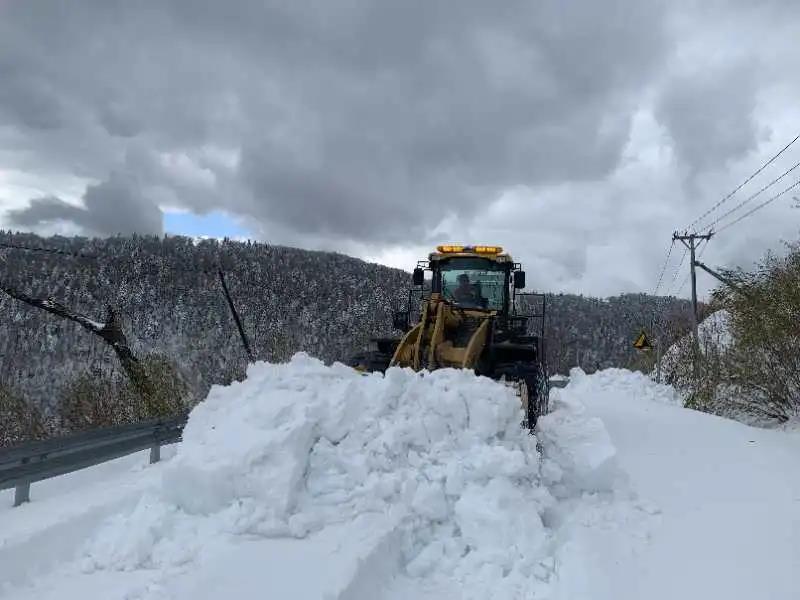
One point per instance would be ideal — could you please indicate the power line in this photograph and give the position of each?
(741, 185)
(663, 268)
(759, 207)
(758, 193)
(146, 271)
(677, 270)
(218, 271)
(683, 285)
(10, 246)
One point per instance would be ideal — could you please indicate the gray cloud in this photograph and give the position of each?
(383, 124)
(354, 120)
(710, 115)
(112, 207)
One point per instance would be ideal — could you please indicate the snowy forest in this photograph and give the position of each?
(168, 296)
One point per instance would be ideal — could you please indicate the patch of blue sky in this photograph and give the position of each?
(215, 224)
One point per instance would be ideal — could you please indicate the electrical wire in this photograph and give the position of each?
(663, 268)
(740, 186)
(10, 246)
(753, 196)
(152, 270)
(758, 207)
(683, 285)
(678, 270)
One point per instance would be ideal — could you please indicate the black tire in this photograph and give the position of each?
(535, 394)
(370, 361)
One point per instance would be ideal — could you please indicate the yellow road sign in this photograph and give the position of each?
(642, 343)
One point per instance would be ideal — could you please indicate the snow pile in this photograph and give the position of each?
(579, 455)
(623, 383)
(715, 335)
(299, 446)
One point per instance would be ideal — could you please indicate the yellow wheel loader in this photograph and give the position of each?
(469, 318)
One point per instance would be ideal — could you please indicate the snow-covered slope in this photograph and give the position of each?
(307, 481)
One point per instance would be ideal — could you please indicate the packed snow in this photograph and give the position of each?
(301, 446)
(727, 495)
(314, 481)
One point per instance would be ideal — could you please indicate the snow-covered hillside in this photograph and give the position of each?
(307, 481)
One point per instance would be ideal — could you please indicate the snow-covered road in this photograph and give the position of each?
(308, 481)
(728, 494)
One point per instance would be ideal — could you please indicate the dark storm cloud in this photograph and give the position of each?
(357, 120)
(112, 207)
(380, 126)
(711, 115)
(390, 132)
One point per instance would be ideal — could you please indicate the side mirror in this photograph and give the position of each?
(419, 277)
(519, 280)
(400, 320)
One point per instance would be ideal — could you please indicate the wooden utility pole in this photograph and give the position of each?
(690, 241)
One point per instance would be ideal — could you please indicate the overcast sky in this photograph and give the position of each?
(578, 135)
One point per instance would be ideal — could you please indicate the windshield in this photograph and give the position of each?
(473, 283)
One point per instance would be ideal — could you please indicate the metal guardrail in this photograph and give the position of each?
(24, 464)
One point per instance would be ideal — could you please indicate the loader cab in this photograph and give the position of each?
(474, 277)
(475, 283)
(477, 279)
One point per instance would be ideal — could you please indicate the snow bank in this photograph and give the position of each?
(579, 454)
(303, 468)
(297, 447)
(622, 383)
(715, 334)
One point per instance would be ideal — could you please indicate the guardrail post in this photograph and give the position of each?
(24, 464)
(155, 453)
(22, 491)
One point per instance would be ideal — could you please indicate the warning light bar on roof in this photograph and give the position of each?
(449, 249)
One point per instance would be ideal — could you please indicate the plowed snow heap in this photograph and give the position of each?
(299, 446)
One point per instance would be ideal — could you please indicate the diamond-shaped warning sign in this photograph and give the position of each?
(642, 343)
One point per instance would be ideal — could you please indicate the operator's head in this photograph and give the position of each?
(463, 280)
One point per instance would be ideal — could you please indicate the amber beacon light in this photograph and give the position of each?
(450, 249)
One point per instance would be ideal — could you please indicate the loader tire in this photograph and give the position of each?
(370, 361)
(534, 395)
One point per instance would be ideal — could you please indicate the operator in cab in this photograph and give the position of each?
(466, 294)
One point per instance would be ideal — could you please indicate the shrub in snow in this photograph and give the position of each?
(100, 399)
(749, 366)
(20, 422)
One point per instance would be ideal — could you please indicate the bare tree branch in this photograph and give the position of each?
(110, 331)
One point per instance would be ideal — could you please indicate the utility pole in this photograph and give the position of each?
(690, 241)
(235, 314)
